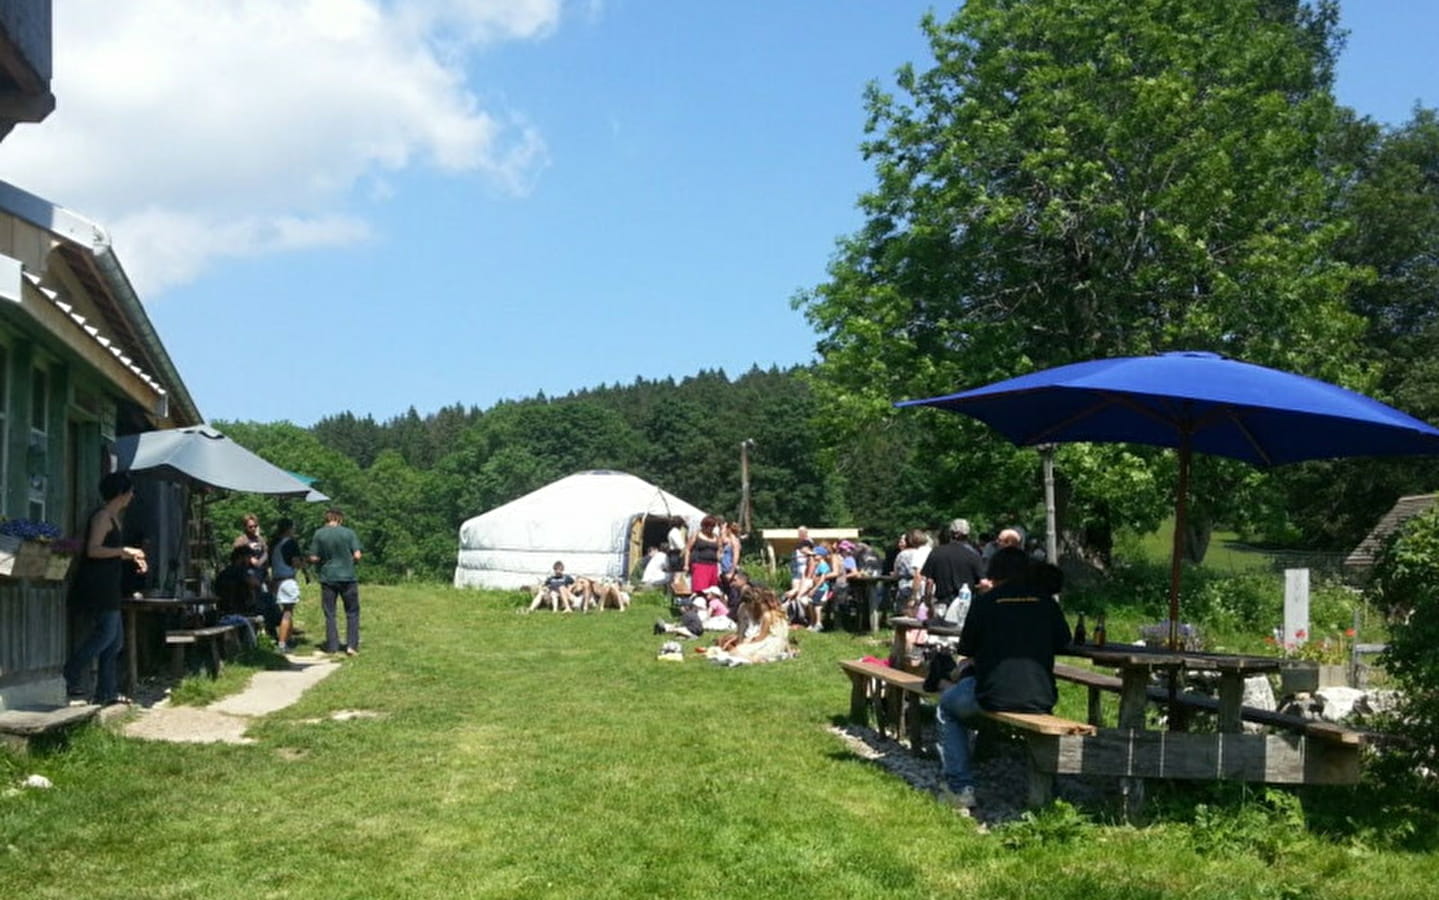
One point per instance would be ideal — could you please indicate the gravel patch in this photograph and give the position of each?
(1001, 775)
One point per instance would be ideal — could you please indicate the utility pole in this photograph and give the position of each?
(745, 513)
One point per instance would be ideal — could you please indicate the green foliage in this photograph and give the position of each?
(1248, 602)
(1406, 584)
(1073, 179)
(1270, 826)
(1058, 824)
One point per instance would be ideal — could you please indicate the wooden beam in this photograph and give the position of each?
(1128, 753)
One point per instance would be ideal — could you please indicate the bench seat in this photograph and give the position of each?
(211, 637)
(897, 699)
(20, 728)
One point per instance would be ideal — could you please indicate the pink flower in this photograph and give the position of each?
(1301, 634)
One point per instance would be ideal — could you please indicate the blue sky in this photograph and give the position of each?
(335, 205)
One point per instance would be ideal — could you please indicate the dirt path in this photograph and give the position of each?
(226, 720)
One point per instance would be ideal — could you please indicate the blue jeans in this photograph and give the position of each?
(956, 705)
(103, 644)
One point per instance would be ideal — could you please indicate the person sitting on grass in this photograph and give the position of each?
(555, 590)
(691, 624)
(748, 612)
(1010, 636)
(599, 594)
(770, 642)
(716, 615)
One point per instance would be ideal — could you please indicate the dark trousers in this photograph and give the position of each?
(103, 644)
(349, 591)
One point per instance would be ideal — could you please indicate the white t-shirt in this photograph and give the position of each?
(656, 570)
(287, 592)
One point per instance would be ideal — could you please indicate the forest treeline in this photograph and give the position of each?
(406, 484)
(1062, 180)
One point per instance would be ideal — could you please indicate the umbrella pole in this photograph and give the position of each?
(1181, 504)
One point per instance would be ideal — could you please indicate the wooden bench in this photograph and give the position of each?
(20, 729)
(892, 695)
(211, 638)
(898, 698)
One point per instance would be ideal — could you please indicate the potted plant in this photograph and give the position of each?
(25, 547)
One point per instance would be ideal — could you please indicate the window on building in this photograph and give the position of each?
(37, 463)
(4, 424)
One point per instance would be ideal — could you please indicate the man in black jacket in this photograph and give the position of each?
(1010, 637)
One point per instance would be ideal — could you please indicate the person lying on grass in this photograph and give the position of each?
(691, 624)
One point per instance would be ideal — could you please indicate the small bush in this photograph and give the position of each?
(1406, 584)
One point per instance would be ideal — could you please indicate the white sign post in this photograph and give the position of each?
(1296, 607)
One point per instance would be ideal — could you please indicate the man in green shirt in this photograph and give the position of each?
(334, 550)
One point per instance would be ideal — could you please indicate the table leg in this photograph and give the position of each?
(1133, 698)
(897, 647)
(1231, 702)
(1133, 701)
(132, 665)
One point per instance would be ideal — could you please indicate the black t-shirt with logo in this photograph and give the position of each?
(1012, 635)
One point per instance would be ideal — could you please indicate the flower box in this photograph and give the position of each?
(57, 567)
(23, 559)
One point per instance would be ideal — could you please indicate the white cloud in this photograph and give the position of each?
(200, 131)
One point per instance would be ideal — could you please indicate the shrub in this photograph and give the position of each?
(1405, 583)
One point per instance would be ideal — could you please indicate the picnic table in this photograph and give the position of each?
(1297, 751)
(861, 596)
(1137, 663)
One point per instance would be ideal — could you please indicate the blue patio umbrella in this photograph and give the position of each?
(1192, 401)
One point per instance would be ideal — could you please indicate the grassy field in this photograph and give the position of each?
(547, 756)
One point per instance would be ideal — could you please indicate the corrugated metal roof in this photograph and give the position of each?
(95, 334)
(1406, 508)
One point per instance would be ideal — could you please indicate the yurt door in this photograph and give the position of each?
(635, 547)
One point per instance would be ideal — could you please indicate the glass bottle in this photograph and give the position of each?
(1080, 634)
(1099, 635)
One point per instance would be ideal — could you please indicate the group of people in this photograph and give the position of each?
(690, 563)
(820, 574)
(748, 623)
(565, 593)
(1011, 630)
(260, 578)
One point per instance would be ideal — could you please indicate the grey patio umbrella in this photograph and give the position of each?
(202, 455)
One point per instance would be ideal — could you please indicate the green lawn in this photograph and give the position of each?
(547, 756)
(1225, 554)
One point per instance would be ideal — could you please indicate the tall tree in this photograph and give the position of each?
(1075, 179)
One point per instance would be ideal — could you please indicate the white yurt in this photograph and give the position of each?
(598, 523)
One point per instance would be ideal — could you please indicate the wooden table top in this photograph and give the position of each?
(166, 602)
(1139, 656)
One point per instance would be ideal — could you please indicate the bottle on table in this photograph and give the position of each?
(1099, 635)
(962, 603)
(1080, 634)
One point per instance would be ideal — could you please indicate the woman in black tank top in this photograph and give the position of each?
(96, 591)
